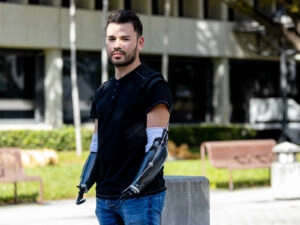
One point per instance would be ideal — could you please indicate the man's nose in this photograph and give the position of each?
(117, 44)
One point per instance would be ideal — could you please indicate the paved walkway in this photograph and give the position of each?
(246, 207)
(252, 207)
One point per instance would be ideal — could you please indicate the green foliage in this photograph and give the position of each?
(218, 178)
(194, 135)
(64, 138)
(58, 139)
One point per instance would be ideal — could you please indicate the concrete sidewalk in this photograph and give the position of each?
(243, 206)
(62, 212)
(252, 207)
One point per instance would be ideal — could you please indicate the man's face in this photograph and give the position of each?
(122, 44)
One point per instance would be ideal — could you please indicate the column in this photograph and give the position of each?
(221, 91)
(224, 11)
(200, 9)
(53, 88)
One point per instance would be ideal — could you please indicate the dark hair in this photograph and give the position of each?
(126, 16)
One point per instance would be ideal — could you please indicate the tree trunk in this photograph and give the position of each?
(75, 95)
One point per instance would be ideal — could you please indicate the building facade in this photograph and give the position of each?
(211, 73)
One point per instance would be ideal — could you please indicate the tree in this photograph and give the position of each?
(104, 57)
(286, 25)
(280, 32)
(165, 57)
(75, 94)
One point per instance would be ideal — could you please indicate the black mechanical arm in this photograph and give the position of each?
(151, 165)
(84, 185)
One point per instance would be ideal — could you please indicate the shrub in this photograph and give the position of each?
(64, 138)
(194, 135)
(58, 139)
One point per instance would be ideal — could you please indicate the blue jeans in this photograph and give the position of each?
(136, 211)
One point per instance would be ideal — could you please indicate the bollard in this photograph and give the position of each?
(285, 176)
(187, 201)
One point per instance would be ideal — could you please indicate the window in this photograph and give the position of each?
(190, 82)
(98, 4)
(127, 4)
(212, 9)
(34, 2)
(65, 3)
(259, 78)
(157, 7)
(88, 76)
(152, 61)
(191, 8)
(18, 79)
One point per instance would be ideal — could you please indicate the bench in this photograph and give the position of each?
(11, 171)
(238, 154)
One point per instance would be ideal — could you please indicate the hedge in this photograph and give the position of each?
(195, 134)
(64, 138)
(58, 139)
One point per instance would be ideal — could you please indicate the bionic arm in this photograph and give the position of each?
(87, 171)
(151, 165)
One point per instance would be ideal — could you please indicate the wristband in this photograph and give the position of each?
(152, 133)
(94, 143)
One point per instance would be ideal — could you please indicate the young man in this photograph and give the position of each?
(129, 144)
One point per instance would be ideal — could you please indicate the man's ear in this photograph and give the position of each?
(141, 41)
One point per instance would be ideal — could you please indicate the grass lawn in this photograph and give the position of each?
(60, 180)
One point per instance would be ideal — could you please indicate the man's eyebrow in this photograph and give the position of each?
(123, 36)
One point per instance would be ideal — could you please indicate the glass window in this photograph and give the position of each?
(191, 8)
(34, 2)
(65, 3)
(127, 4)
(18, 72)
(258, 79)
(16, 76)
(157, 7)
(190, 82)
(98, 4)
(212, 9)
(152, 61)
(89, 78)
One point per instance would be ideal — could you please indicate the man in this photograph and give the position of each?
(128, 148)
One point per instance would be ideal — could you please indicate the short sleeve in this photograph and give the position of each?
(159, 93)
(93, 112)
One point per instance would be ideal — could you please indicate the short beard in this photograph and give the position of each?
(127, 61)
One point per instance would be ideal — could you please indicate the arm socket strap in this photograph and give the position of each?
(152, 133)
(94, 143)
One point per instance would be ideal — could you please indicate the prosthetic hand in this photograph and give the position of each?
(151, 165)
(87, 171)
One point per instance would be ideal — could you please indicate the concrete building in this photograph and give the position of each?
(211, 73)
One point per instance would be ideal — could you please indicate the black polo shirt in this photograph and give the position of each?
(121, 107)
